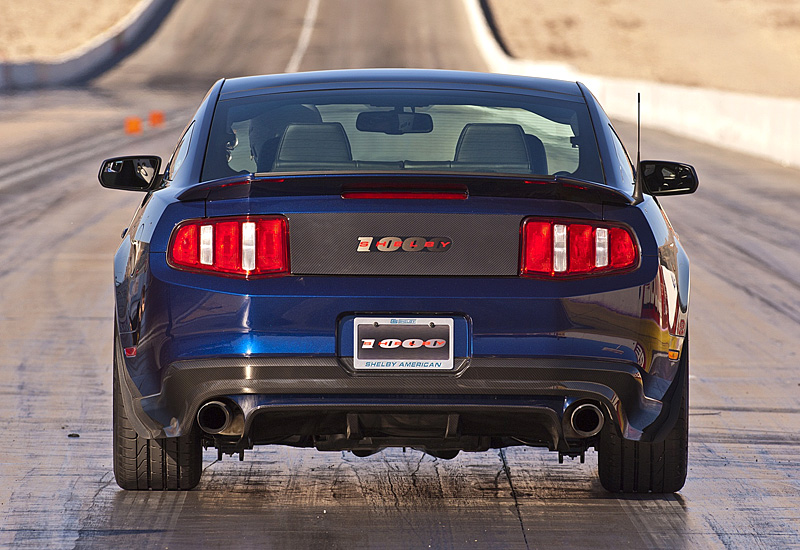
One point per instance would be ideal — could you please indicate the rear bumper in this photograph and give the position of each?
(545, 387)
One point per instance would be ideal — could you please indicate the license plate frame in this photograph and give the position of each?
(403, 343)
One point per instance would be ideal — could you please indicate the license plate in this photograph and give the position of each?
(403, 343)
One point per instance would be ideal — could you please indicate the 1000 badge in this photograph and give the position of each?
(402, 343)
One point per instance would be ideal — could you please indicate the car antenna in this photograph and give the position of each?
(638, 183)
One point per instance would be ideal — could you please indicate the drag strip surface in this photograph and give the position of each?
(59, 233)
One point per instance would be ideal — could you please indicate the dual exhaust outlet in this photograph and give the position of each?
(216, 417)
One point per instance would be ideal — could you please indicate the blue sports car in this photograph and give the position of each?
(356, 260)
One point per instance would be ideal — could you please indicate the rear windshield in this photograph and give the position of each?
(402, 130)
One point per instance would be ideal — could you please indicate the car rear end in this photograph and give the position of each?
(349, 301)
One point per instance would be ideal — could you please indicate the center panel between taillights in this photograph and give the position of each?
(404, 244)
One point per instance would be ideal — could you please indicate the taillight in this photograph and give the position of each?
(245, 246)
(568, 248)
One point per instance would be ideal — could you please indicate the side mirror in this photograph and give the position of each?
(130, 173)
(668, 178)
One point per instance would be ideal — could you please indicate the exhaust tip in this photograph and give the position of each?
(214, 417)
(587, 420)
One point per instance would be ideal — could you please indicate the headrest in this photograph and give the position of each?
(492, 144)
(273, 123)
(537, 153)
(326, 142)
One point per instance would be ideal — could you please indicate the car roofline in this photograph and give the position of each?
(396, 78)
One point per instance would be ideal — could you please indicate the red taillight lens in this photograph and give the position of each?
(621, 249)
(227, 246)
(185, 248)
(564, 248)
(271, 246)
(581, 255)
(247, 246)
(538, 251)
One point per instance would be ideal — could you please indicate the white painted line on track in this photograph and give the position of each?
(305, 37)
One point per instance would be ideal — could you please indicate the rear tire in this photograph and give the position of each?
(159, 464)
(639, 467)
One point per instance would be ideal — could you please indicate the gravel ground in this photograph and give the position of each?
(40, 29)
(746, 46)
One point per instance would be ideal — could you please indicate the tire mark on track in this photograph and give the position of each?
(517, 510)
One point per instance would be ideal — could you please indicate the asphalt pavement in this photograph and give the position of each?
(59, 231)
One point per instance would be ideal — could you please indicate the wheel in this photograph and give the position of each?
(160, 464)
(640, 467)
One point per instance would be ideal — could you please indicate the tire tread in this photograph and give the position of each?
(152, 464)
(626, 466)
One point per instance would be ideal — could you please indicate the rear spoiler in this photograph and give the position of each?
(392, 183)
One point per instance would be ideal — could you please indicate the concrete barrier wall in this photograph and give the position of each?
(763, 126)
(83, 61)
